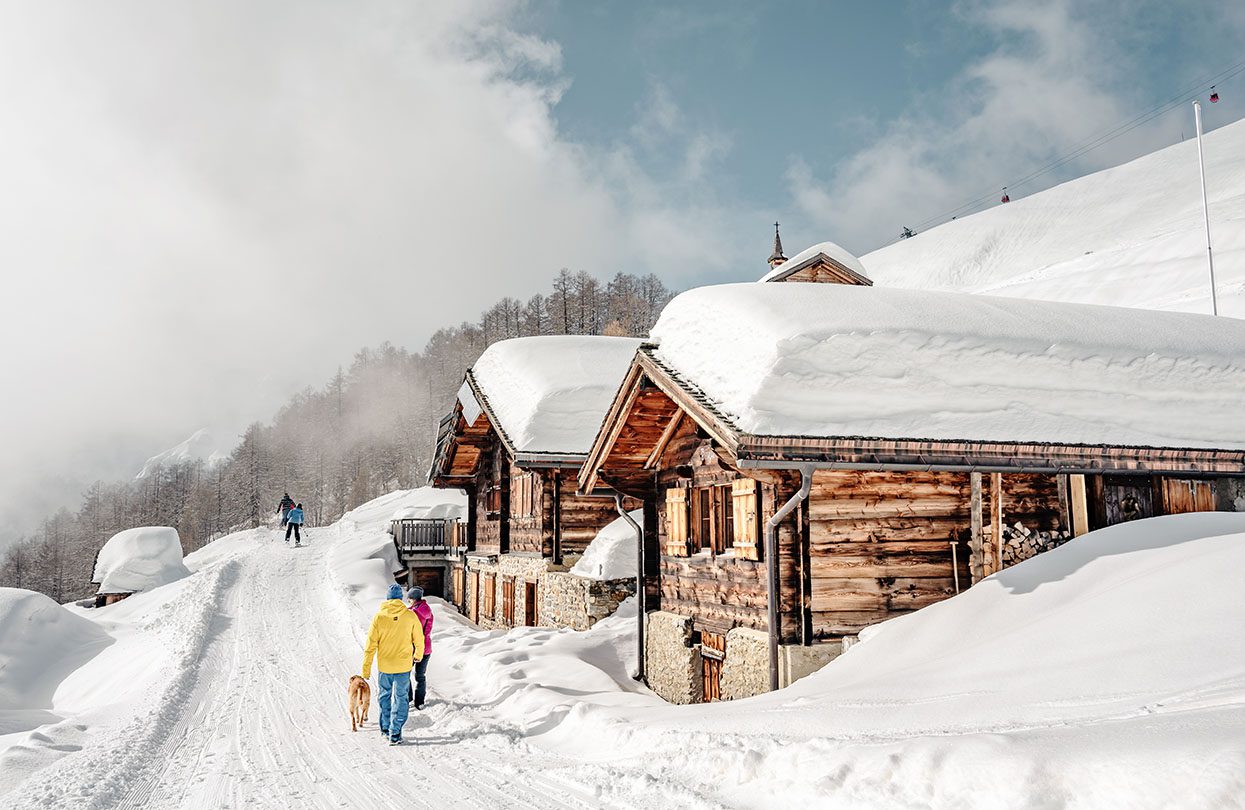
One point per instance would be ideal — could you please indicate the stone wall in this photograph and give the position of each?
(569, 600)
(745, 670)
(672, 663)
(1230, 494)
(796, 661)
(520, 566)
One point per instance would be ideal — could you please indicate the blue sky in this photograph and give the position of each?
(813, 84)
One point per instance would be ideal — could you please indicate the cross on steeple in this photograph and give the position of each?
(776, 258)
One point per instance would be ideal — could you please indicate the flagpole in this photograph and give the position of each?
(1201, 165)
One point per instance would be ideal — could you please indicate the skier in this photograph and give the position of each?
(423, 610)
(395, 640)
(287, 503)
(294, 520)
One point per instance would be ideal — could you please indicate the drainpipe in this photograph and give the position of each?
(640, 590)
(771, 567)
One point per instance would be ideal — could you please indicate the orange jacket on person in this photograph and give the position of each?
(395, 639)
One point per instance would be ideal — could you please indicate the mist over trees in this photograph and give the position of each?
(369, 430)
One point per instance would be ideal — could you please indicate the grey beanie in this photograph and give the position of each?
(415, 593)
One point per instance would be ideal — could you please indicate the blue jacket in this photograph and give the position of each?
(295, 516)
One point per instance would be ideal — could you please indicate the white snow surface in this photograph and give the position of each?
(836, 252)
(612, 553)
(1129, 236)
(429, 503)
(139, 560)
(550, 393)
(839, 360)
(40, 644)
(1103, 674)
(200, 446)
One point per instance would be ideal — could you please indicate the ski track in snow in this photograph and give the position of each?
(260, 719)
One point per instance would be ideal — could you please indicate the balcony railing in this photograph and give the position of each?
(428, 536)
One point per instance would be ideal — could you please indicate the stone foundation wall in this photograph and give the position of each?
(745, 670)
(672, 663)
(569, 600)
(522, 568)
(796, 661)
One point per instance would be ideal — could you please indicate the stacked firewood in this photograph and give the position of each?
(1020, 542)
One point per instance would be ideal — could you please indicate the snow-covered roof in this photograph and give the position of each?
(845, 361)
(829, 249)
(612, 553)
(549, 394)
(139, 560)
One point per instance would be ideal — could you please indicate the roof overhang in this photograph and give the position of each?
(839, 271)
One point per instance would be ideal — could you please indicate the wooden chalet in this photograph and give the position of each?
(824, 263)
(835, 482)
(514, 441)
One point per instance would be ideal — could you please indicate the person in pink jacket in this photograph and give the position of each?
(419, 689)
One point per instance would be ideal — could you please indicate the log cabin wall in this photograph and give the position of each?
(529, 530)
(580, 518)
(492, 531)
(720, 589)
(880, 545)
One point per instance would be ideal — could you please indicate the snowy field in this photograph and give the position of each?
(1128, 236)
(1102, 674)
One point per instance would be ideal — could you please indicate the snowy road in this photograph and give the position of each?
(259, 718)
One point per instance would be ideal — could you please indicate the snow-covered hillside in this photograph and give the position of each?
(200, 446)
(1129, 236)
(1102, 674)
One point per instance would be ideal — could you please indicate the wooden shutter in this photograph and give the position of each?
(744, 503)
(676, 522)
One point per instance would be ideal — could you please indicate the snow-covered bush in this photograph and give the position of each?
(139, 560)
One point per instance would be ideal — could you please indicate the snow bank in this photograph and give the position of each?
(139, 560)
(1127, 236)
(550, 394)
(837, 360)
(40, 643)
(839, 254)
(612, 553)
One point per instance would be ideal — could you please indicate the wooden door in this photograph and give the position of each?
(473, 612)
(432, 580)
(712, 654)
(1182, 495)
(1127, 497)
(507, 600)
(456, 595)
(531, 608)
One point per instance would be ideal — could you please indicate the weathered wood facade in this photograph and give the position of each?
(887, 527)
(525, 518)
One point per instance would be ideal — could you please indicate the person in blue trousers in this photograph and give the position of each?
(294, 521)
(396, 641)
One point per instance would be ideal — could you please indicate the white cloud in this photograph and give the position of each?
(1049, 85)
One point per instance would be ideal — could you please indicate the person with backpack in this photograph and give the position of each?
(294, 521)
(396, 641)
(423, 610)
(287, 503)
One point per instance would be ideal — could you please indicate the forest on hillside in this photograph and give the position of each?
(368, 430)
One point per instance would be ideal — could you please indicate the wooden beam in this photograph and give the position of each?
(996, 518)
(1079, 505)
(666, 436)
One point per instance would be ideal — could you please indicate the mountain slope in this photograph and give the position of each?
(200, 446)
(1132, 235)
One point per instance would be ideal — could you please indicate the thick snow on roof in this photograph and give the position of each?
(839, 254)
(612, 553)
(1127, 236)
(550, 394)
(840, 360)
(430, 503)
(139, 560)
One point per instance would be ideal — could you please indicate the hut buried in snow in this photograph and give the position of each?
(138, 560)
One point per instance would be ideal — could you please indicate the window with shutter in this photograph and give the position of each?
(744, 501)
(676, 522)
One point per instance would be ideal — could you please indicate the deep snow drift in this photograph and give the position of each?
(40, 644)
(612, 553)
(836, 360)
(1127, 236)
(139, 560)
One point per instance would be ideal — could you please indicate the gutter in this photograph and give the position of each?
(758, 464)
(771, 564)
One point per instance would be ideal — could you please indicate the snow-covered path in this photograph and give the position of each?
(259, 718)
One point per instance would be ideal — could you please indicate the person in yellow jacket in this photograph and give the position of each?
(396, 641)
